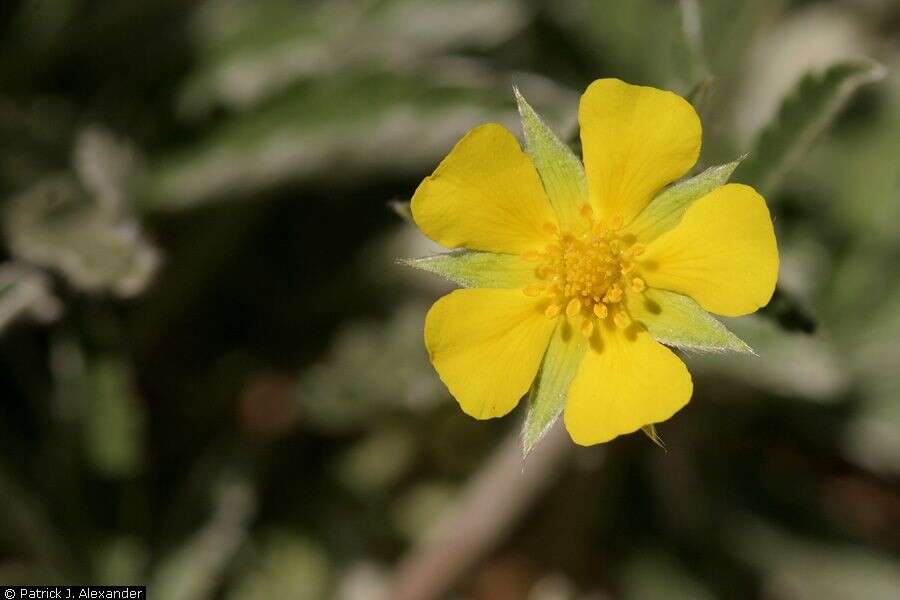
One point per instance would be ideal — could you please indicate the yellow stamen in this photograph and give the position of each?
(621, 319)
(613, 295)
(587, 273)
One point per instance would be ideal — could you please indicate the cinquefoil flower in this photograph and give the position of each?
(580, 277)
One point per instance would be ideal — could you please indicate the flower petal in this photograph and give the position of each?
(626, 381)
(487, 345)
(548, 394)
(561, 172)
(723, 253)
(470, 268)
(485, 195)
(676, 320)
(635, 140)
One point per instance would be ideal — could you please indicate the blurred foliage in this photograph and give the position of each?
(213, 375)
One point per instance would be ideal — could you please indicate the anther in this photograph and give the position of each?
(601, 311)
(574, 307)
(638, 285)
(552, 311)
(586, 211)
(614, 294)
(637, 249)
(587, 327)
(621, 319)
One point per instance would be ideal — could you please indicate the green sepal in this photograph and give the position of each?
(551, 386)
(560, 170)
(666, 210)
(650, 432)
(676, 320)
(475, 269)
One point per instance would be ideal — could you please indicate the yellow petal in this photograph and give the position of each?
(485, 195)
(635, 140)
(723, 253)
(626, 381)
(487, 345)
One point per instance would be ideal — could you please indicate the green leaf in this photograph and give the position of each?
(676, 320)
(108, 168)
(197, 567)
(548, 394)
(469, 268)
(25, 292)
(666, 210)
(282, 565)
(804, 115)
(561, 172)
(114, 419)
(94, 243)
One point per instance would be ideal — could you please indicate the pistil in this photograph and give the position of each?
(585, 275)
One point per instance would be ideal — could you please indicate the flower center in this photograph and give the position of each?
(588, 274)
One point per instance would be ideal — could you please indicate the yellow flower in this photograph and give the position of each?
(579, 275)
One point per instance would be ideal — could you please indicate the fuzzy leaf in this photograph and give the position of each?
(561, 172)
(56, 225)
(469, 268)
(548, 394)
(804, 115)
(26, 292)
(108, 168)
(676, 320)
(666, 210)
(114, 419)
